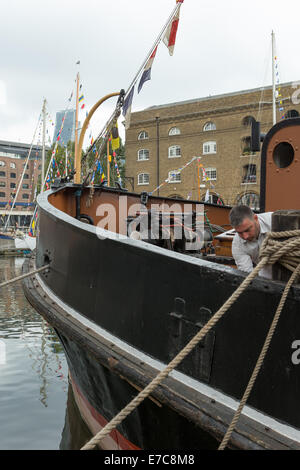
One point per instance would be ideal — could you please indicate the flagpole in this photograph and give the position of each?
(178, 4)
(273, 79)
(108, 166)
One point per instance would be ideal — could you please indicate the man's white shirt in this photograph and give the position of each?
(246, 253)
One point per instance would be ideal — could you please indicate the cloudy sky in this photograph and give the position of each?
(221, 46)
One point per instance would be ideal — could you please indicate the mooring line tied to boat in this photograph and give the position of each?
(272, 250)
(23, 276)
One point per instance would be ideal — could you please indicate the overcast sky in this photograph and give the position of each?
(221, 46)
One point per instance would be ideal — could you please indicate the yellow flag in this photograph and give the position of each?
(115, 139)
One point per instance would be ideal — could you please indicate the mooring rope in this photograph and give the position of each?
(270, 253)
(23, 276)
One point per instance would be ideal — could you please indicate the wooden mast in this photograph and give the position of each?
(43, 144)
(199, 179)
(77, 155)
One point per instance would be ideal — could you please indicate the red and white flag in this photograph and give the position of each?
(170, 36)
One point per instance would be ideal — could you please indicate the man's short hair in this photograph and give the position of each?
(239, 213)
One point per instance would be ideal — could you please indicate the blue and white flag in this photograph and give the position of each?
(147, 70)
(127, 107)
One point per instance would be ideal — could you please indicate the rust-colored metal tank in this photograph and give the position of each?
(280, 167)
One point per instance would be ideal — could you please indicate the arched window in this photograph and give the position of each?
(212, 198)
(143, 154)
(174, 151)
(249, 199)
(2, 163)
(174, 176)
(12, 165)
(249, 174)
(25, 196)
(175, 196)
(292, 113)
(247, 121)
(174, 131)
(143, 178)
(209, 126)
(143, 135)
(209, 147)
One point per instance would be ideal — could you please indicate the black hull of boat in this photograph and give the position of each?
(153, 301)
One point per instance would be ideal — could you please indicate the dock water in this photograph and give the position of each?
(36, 407)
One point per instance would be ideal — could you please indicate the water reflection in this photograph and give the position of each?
(75, 433)
(33, 371)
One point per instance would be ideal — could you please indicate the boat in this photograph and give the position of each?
(125, 298)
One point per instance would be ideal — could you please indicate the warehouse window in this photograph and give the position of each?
(143, 154)
(174, 151)
(174, 131)
(209, 126)
(211, 173)
(174, 176)
(143, 178)
(143, 135)
(209, 147)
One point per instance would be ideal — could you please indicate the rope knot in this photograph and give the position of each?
(282, 247)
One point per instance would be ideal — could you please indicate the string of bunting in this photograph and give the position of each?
(52, 163)
(173, 173)
(279, 95)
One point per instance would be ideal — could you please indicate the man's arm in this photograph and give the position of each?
(242, 259)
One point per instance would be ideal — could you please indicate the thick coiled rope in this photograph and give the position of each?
(287, 252)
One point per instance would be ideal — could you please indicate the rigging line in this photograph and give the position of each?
(22, 176)
(56, 143)
(157, 41)
(174, 12)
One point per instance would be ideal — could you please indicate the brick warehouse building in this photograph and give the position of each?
(162, 139)
(12, 161)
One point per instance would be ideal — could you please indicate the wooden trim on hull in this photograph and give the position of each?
(208, 415)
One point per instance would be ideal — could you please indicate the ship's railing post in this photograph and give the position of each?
(284, 220)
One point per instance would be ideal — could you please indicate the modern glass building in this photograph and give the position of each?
(68, 131)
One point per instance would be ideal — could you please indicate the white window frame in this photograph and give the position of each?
(209, 172)
(209, 126)
(141, 152)
(209, 147)
(143, 182)
(174, 131)
(143, 135)
(172, 174)
(2, 163)
(171, 149)
(12, 165)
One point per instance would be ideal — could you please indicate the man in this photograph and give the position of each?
(251, 230)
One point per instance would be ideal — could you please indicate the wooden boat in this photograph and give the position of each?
(124, 305)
